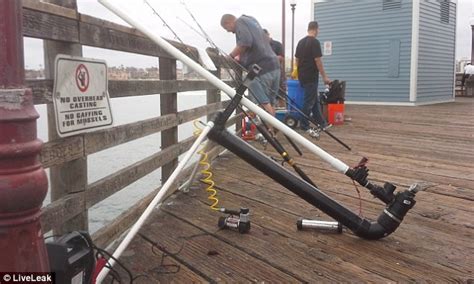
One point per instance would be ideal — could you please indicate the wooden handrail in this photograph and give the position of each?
(68, 149)
(67, 207)
(52, 22)
(43, 89)
(59, 24)
(125, 220)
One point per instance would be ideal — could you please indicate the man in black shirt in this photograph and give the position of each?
(277, 47)
(308, 60)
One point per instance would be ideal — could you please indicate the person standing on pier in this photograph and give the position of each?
(309, 64)
(252, 48)
(277, 47)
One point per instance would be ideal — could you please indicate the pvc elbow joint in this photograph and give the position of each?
(391, 217)
(375, 230)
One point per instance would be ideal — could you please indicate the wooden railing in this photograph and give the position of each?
(65, 31)
(467, 89)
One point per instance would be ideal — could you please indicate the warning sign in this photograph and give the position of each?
(82, 78)
(327, 48)
(80, 97)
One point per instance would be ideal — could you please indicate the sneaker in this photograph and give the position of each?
(261, 139)
(314, 133)
(327, 127)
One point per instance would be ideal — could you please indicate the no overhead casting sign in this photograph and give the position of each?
(80, 97)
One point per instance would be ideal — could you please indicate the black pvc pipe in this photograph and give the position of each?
(387, 222)
(283, 153)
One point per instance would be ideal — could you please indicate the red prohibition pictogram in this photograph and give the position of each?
(82, 78)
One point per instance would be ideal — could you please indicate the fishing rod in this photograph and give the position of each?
(206, 36)
(294, 106)
(274, 142)
(163, 20)
(387, 222)
(285, 98)
(359, 173)
(263, 127)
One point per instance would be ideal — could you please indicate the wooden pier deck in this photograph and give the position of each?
(182, 244)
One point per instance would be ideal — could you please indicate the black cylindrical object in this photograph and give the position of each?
(387, 222)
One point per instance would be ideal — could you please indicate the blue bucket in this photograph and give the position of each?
(296, 97)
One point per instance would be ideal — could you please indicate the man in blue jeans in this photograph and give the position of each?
(308, 60)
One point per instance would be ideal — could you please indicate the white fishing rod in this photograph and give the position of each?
(336, 163)
(155, 202)
(397, 205)
(176, 53)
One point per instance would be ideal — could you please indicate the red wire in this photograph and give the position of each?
(360, 199)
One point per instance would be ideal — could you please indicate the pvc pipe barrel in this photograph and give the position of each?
(327, 226)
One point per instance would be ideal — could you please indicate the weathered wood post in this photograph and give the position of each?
(213, 95)
(23, 181)
(472, 44)
(70, 177)
(168, 104)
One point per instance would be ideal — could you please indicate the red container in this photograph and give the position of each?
(248, 129)
(336, 114)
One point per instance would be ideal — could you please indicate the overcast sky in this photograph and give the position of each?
(208, 13)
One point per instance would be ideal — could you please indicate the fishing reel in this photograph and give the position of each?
(360, 173)
(238, 220)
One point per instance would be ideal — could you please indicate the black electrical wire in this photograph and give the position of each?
(103, 253)
(164, 252)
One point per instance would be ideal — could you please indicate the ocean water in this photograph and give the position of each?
(104, 163)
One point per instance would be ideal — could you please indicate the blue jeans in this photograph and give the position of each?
(311, 105)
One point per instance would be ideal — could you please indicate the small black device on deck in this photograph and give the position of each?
(239, 220)
(71, 258)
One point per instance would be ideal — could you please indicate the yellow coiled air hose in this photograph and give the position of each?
(206, 173)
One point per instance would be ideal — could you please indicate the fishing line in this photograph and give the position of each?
(286, 98)
(163, 20)
(265, 129)
(192, 54)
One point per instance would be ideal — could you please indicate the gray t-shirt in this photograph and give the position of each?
(249, 33)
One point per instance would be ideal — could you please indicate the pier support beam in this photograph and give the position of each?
(23, 182)
(472, 45)
(168, 105)
(70, 177)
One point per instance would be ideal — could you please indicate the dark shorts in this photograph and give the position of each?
(265, 88)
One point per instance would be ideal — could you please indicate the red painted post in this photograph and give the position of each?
(23, 182)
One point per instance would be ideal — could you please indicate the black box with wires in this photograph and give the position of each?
(71, 258)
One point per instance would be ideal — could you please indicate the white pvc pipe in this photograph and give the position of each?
(156, 200)
(137, 23)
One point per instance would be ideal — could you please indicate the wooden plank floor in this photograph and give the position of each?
(435, 144)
